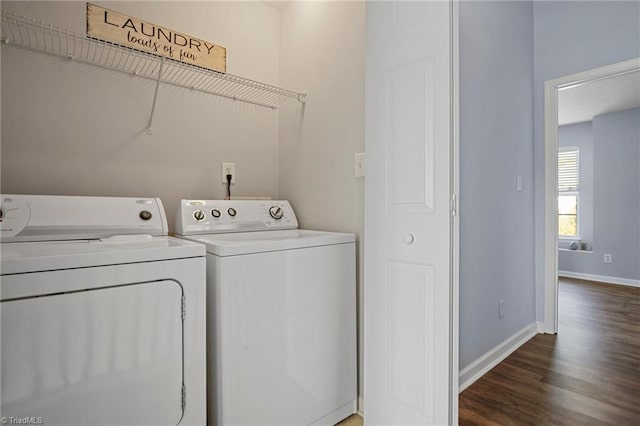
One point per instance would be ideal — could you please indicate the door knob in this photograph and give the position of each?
(409, 238)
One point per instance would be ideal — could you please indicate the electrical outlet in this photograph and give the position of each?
(501, 308)
(608, 258)
(228, 169)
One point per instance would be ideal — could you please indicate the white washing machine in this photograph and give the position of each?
(281, 314)
(103, 315)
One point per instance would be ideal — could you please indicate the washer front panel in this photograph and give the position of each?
(283, 336)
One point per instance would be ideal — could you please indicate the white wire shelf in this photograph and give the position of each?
(43, 37)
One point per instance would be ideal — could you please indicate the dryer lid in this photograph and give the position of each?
(18, 258)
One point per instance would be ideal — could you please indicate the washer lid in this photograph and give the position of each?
(48, 256)
(265, 241)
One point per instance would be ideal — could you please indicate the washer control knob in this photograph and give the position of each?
(216, 213)
(199, 215)
(232, 212)
(145, 215)
(276, 212)
(1, 213)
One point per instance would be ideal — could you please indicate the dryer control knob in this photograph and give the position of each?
(216, 213)
(232, 212)
(145, 215)
(276, 212)
(199, 215)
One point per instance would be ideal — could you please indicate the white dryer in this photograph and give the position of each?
(103, 315)
(281, 314)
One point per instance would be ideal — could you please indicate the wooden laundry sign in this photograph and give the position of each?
(132, 32)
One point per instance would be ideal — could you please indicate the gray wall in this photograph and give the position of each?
(507, 51)
(616, 139)
(496, 221)
(609, 194)
(570, 37)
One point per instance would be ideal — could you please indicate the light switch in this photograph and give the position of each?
(359, 165)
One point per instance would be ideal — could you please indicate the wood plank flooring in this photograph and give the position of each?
(587, 374)
(354, 420)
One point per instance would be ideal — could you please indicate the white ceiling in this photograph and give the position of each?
(582, 102)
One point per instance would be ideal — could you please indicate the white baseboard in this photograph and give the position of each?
(360, 411)
(339, 414)
(542, 328)
(600, 278)
(486, 362)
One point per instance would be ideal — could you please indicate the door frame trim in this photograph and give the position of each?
(454, 334)
(551, 88)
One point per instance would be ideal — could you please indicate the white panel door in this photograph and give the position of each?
(408, 214)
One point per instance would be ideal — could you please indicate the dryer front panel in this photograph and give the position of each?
(107, 355)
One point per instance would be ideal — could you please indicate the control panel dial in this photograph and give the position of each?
(199, 215)
(14, 216)
(145, 215)
(276, 212)
(216, 213)
(232, 212)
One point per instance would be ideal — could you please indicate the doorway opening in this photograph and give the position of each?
(569, 200)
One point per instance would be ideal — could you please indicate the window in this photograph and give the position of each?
(568, 192)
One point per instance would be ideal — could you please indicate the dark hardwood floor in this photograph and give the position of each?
(587, 374)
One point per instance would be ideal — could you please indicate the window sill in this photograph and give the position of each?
(576, 251)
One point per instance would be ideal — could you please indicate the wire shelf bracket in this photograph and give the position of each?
(27, 33)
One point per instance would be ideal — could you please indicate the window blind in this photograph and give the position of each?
(568, 171)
